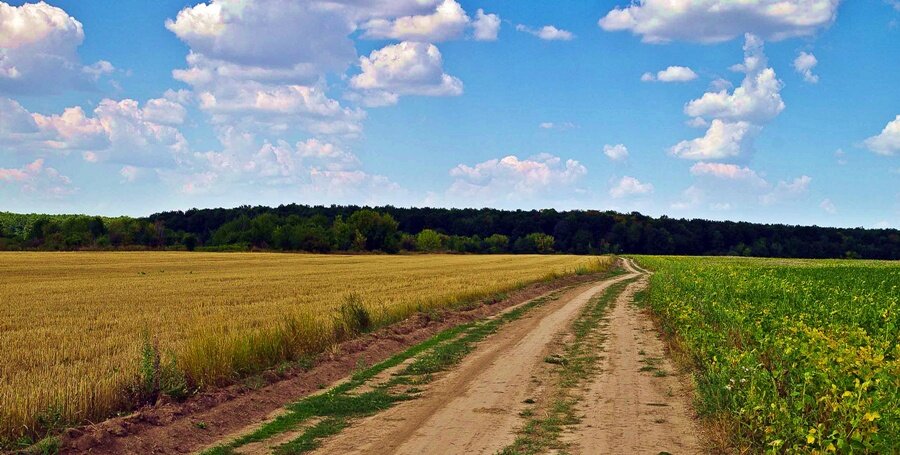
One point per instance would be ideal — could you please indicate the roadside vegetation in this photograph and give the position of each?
(87, 335)
(788, 356)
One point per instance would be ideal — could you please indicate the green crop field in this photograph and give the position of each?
(788, 355)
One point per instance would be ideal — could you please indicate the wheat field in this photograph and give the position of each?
(75, 327)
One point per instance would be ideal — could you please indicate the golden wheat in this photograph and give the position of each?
(72, 324)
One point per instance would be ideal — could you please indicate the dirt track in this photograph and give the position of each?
(475, 407)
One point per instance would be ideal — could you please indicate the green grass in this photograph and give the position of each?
(578, 363)
(788, 355)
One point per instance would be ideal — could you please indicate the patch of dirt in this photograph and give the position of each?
(212, 416)
(637, 403)
(473, 408)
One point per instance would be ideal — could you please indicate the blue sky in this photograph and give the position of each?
(773, 111)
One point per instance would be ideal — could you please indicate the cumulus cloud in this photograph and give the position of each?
(828, 206)
(671, 74)
(447, 22)
(119, 131)
(407, 68)
(262, 65)
(734, 117)
(629, 186)
(722, 140)
(758, 99)
(37, 179)
(804, 64)
(39, 51)
(711, 21)
(486, 26)
(312, 168)
(513, 179)
(616, 152)
(888, 142)
(268, 34)
(547, 33)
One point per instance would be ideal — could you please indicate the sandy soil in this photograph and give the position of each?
(637, 404)
(473, 408)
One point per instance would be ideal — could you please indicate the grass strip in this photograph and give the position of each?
(578, 363)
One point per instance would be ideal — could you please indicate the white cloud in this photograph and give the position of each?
(547, 33)
(447, 22)
(738, 116)
(486, 26)
(828, 206)
(757, 100)
(119, 131)
(728, 172)
(786, 190)
(804, 64)
(722, 140)
(37, 179)
(630, 186)
(407, 68)
(268, 34)
(711, 21)
(39, 51)
(311, 168)
(616, 152)
(671, 74)
(511, 178)
(888, 142)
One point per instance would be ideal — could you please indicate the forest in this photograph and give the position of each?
(388, 229)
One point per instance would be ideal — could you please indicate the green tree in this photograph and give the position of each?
(497, 243)
(379, 230)
(429, 240)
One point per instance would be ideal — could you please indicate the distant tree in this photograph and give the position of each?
(190, 242)
(429, 240)
(497, 243)
(379, 230)
(342, 234)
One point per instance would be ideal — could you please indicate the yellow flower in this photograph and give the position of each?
(810, 439)
(871, 416)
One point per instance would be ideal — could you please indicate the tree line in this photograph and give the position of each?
(389, 229)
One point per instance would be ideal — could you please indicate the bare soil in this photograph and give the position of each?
(213, 416)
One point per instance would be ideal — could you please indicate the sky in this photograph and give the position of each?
(774, 111)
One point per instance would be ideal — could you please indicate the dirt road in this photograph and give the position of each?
(633, 406)
(475, 407)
